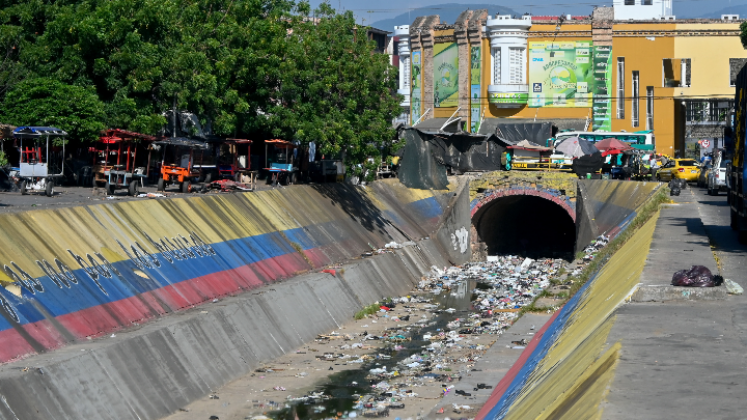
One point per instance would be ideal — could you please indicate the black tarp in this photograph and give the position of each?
(587, 164)
(428, 155)
(514, 132)
(536, 131)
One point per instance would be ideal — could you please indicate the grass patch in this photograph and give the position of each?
(299, 249)
(545, 294)
(367, 310)
(534, 309)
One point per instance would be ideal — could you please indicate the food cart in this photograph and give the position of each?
(235, 162)
(36, 158)
(526, 155)
(281, 172)
(122, 171)
(177, 162)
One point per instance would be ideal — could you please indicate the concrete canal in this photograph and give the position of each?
(157, 312)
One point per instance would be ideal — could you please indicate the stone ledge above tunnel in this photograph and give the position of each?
(533, 225)
(546, 199)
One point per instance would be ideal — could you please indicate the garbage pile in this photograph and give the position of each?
(591, 251)
(426, 346)
(505, 284)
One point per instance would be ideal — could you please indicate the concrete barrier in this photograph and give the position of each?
(106, 309)
(605, 207)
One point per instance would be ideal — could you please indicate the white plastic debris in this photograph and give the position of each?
(733, 288)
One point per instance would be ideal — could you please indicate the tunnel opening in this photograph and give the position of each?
(526, 225)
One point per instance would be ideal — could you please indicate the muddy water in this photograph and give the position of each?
(346, 387)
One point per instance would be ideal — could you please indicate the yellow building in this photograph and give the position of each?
(590, 73)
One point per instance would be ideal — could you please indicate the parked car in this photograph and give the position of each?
(716, 180)
(686, 169)
(703, 176)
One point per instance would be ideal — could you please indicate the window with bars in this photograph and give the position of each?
(496, 66)
(636, 98)
(621, 88)
(707, 110)
(649, 107)
(517, 63)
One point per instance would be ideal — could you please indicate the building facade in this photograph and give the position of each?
(594, 73)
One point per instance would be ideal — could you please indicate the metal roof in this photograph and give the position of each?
(33, 131)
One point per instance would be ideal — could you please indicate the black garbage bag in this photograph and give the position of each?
(696, 276)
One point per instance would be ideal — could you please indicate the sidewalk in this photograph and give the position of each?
(684, 358)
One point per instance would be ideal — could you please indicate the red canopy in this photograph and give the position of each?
(114, 135)
(280, 143)
(612, 144)
(239, 141)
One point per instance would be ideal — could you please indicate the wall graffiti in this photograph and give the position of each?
(97, 267)
(460, 240)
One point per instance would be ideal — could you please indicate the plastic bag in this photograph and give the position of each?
(696, 276)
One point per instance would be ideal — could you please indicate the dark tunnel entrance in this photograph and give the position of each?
(526, 225)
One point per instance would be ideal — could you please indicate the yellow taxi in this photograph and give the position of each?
(686, 169)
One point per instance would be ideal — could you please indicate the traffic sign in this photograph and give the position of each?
(706, 144)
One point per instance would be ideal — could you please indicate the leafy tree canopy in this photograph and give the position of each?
(48, 102)
(249, 66)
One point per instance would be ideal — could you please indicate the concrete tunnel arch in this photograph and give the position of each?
(532, 223)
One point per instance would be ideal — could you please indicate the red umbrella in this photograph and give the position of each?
(607, 145)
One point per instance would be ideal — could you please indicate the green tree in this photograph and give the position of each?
(258, 67)
(215, 58)
(48, 102)
(334, 89)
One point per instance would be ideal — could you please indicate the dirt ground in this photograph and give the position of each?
(64, 196)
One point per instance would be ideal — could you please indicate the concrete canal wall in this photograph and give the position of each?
(565, 371)
(108, 312)
(74, 278)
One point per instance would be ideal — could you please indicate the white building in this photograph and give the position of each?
(508, 52)
(643, 9)
(402, 33)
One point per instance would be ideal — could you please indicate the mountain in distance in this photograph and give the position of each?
(448, 12)
(740, 9)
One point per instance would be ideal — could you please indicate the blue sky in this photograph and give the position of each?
(372, 11)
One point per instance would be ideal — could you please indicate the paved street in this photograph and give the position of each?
(73, 196)
(685, 360)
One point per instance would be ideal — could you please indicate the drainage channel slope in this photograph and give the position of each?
(567, 367)
(97, 301)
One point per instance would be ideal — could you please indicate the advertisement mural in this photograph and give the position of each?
(475, 68)
(512, 98)
(602, 109)
(445, 75)
(416, 98)
(561, 74)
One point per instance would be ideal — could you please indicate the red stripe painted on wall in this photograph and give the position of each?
(502, 386)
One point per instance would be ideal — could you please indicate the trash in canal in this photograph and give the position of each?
(428, 342)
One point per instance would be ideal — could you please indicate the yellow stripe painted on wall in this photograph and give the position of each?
(50, 234)
(587, 328)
